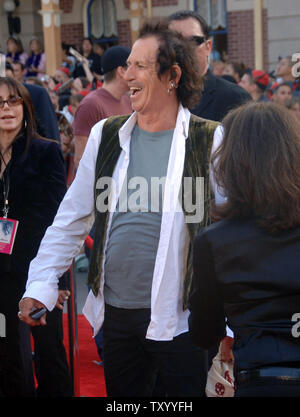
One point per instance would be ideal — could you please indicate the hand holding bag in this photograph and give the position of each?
(220, 381)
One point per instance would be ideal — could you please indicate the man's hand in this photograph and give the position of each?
(26, 306)
(226, 349)
(63, 295)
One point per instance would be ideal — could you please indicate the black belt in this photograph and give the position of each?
(280, 373)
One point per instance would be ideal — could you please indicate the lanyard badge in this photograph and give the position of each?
(5, 209)
(8, 229)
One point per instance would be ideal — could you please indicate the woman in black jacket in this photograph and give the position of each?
(32, 184)
(247, 265)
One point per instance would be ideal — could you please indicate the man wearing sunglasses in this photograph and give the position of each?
(218, 96)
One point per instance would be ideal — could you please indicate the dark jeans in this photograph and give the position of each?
(99, 343)
(131, 362)
(268, 387)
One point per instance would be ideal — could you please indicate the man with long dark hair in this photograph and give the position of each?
(141, 263)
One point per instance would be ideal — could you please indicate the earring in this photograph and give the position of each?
(172, 85)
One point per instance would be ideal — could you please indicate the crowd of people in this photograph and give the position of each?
(76, 78)
(34, 63)
(279, 86)
(171, 282)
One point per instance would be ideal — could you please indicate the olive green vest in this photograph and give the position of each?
(196, 164)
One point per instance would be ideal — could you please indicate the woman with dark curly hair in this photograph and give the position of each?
(247, 264)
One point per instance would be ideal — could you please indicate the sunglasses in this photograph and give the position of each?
(199, 40)
(11, 101)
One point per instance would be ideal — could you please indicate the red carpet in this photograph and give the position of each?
(91, 375)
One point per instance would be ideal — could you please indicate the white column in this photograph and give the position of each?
(51, 14)
(258, 35)
(149, 9)
(136, 16)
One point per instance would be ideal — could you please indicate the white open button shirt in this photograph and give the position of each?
(64, 239)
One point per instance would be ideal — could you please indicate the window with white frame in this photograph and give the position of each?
(215, 14)
(102, 20)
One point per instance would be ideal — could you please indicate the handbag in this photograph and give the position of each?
(220, 380)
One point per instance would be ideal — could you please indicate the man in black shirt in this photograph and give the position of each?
(94, 60)
(218, 96)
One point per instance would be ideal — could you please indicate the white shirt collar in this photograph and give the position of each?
(182, 122)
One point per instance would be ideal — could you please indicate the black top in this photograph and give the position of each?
(45, 116)
(253, 279)
(94, 65)
(37, 186)
(218, 97)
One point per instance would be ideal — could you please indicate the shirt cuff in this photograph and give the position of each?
(43, 292)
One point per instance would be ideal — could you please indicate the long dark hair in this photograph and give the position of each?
(258, 166)
(28, 129)
(175, 49)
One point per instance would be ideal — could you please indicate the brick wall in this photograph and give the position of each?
(124, 33)
(155, 3)
(240, 37)
(72, 34)
(66, 5)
